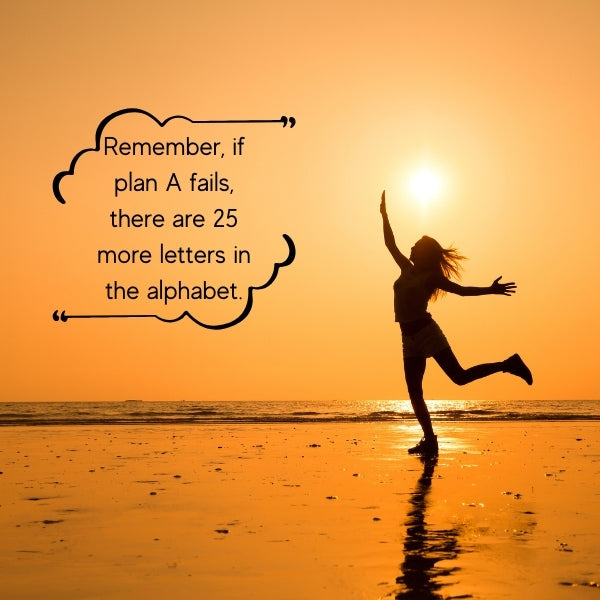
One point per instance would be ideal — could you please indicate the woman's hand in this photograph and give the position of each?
(382, 208)
(506, 289)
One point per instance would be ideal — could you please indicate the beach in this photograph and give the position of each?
(304, 510)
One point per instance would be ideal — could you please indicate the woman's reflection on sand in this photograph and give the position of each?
(422, 577)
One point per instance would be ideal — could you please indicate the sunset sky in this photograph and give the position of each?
(499, 98)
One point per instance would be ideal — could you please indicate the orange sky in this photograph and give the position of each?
(500, 97)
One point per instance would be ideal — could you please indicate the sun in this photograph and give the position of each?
(425, 185)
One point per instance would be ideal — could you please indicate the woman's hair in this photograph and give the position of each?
(445, 261)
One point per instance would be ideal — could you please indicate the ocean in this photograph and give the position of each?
(134, 412)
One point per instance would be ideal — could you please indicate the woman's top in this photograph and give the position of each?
(412, 291)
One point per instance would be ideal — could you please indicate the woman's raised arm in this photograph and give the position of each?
(388, 236)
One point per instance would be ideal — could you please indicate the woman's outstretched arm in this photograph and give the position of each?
(388, 236)
(505, 289)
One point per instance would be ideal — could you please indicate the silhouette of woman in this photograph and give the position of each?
(426, 275)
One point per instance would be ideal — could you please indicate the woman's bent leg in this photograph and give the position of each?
(450, 365)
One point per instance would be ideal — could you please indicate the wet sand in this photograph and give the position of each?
(509, 510)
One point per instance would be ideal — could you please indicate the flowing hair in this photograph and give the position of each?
(443, 261)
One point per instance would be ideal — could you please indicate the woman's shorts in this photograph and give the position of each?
(426, 342)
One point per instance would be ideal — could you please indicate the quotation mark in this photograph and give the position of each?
(62, 317)
(290, 120)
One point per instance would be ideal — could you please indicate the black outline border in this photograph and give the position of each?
(63, 317)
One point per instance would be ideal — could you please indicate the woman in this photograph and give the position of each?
(426, 275)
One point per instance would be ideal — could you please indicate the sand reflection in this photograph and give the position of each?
(424, 548)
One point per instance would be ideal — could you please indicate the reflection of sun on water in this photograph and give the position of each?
(425, 185)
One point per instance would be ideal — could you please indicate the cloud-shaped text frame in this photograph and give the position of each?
(63, 317)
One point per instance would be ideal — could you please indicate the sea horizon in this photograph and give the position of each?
(148, 412)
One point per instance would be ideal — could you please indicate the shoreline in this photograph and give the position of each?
(299, 511)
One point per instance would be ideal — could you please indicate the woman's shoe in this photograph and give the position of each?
(515, 366)
(426, 447)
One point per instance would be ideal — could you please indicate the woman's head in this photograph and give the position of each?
(429, 255)
(426, 253)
